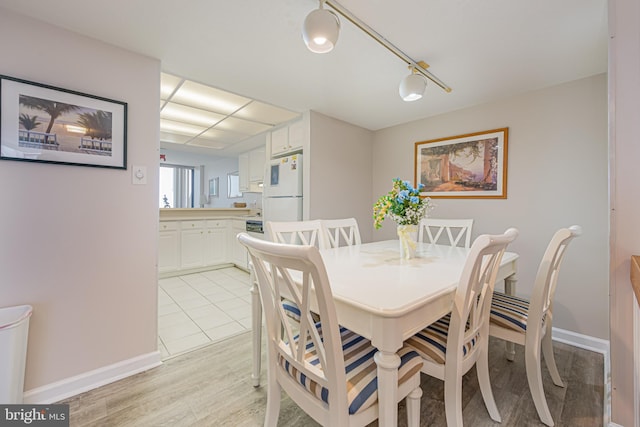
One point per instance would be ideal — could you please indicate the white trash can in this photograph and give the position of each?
(14, 331)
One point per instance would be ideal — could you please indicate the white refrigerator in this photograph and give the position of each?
(282, 191)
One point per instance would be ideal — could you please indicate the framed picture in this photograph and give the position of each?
(41, 123)
(463, 166)
(214, 184)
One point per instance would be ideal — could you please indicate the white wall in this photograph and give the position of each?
(557, 176)
(624, 93)
(80, 243)
(214, 166)
(340, 160)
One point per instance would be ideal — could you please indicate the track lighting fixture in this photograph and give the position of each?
(412, 86)
(320, 33)
(320, 30)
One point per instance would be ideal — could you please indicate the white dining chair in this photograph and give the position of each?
(341, 232)
(458, 231)
(326, 369)
(452, 345)
(529, 323)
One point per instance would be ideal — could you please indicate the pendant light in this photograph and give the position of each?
(412, 87)
(320, 30)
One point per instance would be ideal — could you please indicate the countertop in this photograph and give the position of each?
(203, 213)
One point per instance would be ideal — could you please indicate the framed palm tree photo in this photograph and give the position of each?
(42, 123)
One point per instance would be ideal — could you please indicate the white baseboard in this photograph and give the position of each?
(599, 346)
(614, 425)
(72, 386)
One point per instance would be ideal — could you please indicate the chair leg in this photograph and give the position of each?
(273, 403)
(453, 400)
(413, 407)
(482, 368)
(534, 377)
(547, 351)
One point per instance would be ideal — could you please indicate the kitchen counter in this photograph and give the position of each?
(171, 214)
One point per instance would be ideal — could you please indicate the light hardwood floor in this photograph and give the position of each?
(211, 386)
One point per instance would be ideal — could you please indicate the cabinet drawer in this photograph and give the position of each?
(168, 225)
(190, 225)
(217, 224)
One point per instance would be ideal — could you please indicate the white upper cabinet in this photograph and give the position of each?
(257, 160)
(288, 139)
(243, 171)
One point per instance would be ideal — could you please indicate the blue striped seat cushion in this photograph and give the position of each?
(362, 378)
(509, 311)
(291, 309)
(431, 342)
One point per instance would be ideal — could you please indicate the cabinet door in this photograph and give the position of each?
(296, 135)
(238, 252)
(279, 141)
(256, 165)
(168, 248)
(243, 171)
(192, 244)
(216, 243)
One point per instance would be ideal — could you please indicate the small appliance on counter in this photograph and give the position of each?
(283, 190)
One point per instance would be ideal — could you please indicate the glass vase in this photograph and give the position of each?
(408, 237)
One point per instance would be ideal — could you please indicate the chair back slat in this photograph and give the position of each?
(457, 231)
(341, 232)
(307, 233)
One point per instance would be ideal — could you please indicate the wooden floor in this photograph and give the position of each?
(212, 387)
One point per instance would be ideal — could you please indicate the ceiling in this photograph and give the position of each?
(484, 50)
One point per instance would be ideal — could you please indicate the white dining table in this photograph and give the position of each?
(387, 299)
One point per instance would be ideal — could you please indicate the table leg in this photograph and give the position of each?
(510, 289)
(388, 364)
(256, 329)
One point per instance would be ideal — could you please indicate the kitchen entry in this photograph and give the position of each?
(198, 309)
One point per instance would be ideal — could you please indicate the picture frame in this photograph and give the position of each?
(48, 124)
(214, 185)
(472, 165)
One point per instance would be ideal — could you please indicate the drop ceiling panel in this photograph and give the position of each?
(195, 116)
(180, 128)
(173, 138)
(208, 98)
(223, 136)
(168, 84)
(265, 113)
(206, 143)
(242, 126)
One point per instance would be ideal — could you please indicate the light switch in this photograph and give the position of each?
(139, 175)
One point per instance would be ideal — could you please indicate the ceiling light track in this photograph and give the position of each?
(417, 65)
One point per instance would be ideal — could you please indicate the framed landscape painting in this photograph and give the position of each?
(464, 166)
(41, 123)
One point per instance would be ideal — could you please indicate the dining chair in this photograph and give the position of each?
(327, 370)
(529, 323)
(452, 345)
(297, 233)
(341, 232)
(456, 230)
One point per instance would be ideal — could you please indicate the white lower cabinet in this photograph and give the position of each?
(192, 244)
(168, 247)
(215, 244)
(238, 252)
(198, 244)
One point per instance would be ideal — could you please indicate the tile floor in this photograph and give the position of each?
(202, 308)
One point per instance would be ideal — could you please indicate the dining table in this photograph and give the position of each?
(387, 299)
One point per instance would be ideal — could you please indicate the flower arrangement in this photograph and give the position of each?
(402, 204)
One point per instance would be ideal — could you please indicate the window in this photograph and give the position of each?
(233, 185)
(176, 186)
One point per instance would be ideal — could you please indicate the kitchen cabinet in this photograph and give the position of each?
(243, 171)
(239, 254)
(257, 160)
(192, 244)
(287, 139)
(168, 247)
(215, 242)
